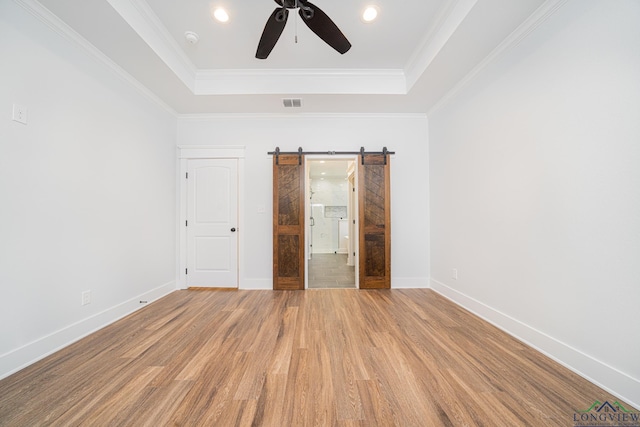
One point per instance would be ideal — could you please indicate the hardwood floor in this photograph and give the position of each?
(297, 358)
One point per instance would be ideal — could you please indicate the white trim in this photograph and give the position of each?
(300, 81)
(544, 12)
(30, 353)
(211, 152)
(409, 282)
(181, 200)
(257, 284)
(192, 152)
(242, 242)
(434, 41)
(65, 31)
(242, 116)
(141, 18)
(607, 377)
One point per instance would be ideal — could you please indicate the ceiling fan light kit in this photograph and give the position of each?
(312, 16)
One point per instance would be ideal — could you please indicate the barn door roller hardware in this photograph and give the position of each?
(300, 153)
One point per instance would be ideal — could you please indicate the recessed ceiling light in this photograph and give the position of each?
(370, 13)
(221, 15)
(323, 173)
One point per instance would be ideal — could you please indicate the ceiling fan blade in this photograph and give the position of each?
(272, 31)
(324, 27)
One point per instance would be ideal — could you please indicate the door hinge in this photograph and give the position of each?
(353, 189)
(354, 221)
(187, 175)
(186, 271)
(186, 223)
(354, 254)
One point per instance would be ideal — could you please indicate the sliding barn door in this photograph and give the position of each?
(288, 222)
(375, 222)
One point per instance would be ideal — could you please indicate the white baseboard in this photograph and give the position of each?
(608, 378)
(409, 282)
(256, 284)
(28, 354)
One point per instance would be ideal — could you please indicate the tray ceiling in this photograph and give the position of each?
(405, 61)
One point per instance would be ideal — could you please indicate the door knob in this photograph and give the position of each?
(233, 230)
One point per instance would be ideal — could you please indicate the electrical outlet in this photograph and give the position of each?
(19, 114)
(454, 274)
(86, 297)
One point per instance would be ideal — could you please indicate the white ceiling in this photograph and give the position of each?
(404, 62)
(233, 45)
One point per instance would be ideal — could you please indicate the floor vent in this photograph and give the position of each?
(292, 102)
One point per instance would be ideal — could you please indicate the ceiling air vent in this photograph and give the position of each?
(292, 102)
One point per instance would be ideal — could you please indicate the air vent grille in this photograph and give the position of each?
(292, 102)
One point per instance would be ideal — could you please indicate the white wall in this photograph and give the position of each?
(407, 135)
(535, 192)
(87, 193)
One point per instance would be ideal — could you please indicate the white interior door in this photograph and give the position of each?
(212, 217)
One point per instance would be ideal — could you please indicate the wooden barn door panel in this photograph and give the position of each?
(375, 222)
(288, 222)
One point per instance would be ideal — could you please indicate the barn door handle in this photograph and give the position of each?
(233, 230)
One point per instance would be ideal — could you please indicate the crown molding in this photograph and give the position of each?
(433, 42)
(294, 82)
(243, 116)
(544, 12)
(141, 18)
(54, 23)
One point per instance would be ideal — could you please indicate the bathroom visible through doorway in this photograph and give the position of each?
(331, 226)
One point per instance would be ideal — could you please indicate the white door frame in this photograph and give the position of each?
(192, 152)
(307, 208)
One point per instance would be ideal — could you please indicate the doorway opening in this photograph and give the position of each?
(331, 214)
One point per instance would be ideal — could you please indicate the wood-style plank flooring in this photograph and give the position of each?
(338, 357)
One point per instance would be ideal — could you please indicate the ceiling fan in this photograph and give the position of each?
(312, 15)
